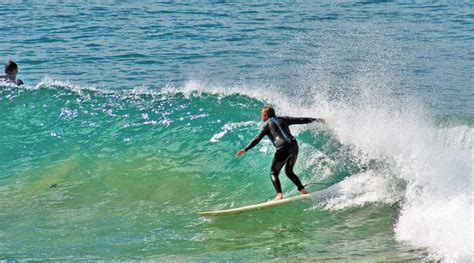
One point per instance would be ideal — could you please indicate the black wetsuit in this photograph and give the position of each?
(7, 79)
(277, 129)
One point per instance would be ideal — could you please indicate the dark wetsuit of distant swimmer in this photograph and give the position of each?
(277, 129)
(11, 69)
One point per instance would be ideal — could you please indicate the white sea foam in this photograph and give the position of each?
(364, 188)
(435, 163)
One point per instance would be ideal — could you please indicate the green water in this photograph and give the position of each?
(90, 175)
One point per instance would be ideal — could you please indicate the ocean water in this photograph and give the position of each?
(132, 113)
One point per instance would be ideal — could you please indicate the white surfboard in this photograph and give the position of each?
(239, 210)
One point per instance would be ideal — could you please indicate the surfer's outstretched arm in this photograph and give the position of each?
(293, 120)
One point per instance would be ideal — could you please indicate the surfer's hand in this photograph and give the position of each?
(240, 152)
(321, 120)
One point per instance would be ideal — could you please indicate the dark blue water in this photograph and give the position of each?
(419, 49)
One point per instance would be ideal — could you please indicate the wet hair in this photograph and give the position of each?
(269, 110)
(10, 67)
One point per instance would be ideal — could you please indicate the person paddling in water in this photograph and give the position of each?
(11, 69)
(277, 129)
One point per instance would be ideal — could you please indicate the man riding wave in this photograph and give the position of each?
(278, 131)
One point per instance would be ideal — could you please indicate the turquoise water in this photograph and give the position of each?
(131, 114)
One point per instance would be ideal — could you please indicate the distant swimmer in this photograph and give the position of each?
(11, 69)
(278, 131)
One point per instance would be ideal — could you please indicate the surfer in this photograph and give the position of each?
(11, 69)
(277, 129)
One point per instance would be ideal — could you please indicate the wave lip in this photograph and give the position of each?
(434, 162)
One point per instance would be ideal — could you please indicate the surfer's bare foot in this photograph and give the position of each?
(303, 192)
(279, 196)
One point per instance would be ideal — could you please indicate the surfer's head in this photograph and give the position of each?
(11, 69)
(267, 112)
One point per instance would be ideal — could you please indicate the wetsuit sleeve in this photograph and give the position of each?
(293, 120)
(258, 138)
